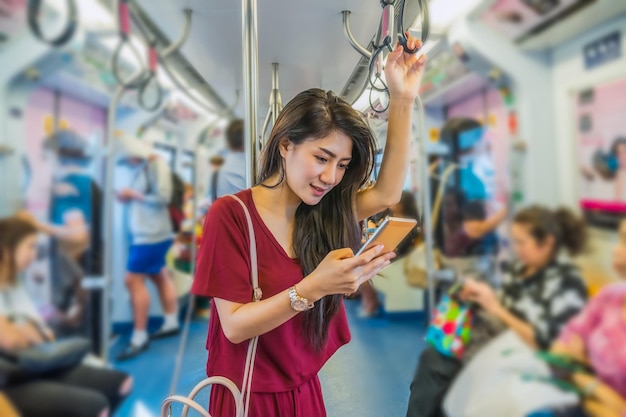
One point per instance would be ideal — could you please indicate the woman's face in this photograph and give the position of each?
(25, 252)
(314, 167)
(621, 155)
(619, 254)
(528, 250)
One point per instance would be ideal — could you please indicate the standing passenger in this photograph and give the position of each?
(151, 232)
(305, 210)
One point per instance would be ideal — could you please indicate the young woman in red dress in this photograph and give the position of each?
(305, 211)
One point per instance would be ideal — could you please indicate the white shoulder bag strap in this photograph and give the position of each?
(257, 294)
(242, 398)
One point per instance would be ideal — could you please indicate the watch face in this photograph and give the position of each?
(299, 305)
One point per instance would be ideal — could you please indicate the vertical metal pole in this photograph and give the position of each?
(276, 102)
(109, 224)
(250, 75)
(109, 196)
(426, 205)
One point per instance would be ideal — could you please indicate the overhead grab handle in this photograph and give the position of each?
(386, 30)
(355, 44)
(139, 78)
(154, 56)
(402, 33)
(153, 60)
(33, 15)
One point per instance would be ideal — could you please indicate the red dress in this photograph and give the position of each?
(285, 379)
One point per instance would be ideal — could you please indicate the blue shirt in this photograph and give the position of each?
(61, 204)
(232, 174)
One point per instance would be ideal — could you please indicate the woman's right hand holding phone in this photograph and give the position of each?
(343, 273)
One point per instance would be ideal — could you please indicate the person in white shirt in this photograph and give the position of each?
(152, 235)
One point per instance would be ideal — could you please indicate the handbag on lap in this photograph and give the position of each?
(450, 330)
(506, 378)
(42, 359)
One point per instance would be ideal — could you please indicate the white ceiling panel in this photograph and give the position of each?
(305, 37)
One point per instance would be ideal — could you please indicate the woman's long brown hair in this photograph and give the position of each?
(331, 224)
(12, 232)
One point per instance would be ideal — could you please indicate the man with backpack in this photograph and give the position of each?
(151, 221)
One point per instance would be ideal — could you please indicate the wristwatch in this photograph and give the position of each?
(299, 303)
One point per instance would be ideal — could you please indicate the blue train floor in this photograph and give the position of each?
(369, 377)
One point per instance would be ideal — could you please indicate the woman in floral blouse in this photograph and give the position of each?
(597, 336)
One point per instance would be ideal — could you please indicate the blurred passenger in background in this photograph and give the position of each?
(75, 228)
(81, 391)
(539, 294)
(471, 245)
(215, 163)
(75, 190)
(230, 178)
(152, 234)
(475, 235)
(67, 312)
(597, 337)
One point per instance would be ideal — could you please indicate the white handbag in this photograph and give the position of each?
(492, 384)
(242, 398)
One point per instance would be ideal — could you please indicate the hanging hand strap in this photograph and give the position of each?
(256, 296)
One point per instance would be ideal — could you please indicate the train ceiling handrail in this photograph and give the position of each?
(275, 104)
(175, 46)
(169, 50)
(355, 44)
(33, 14)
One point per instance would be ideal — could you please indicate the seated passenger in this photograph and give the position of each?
(539, 295)
(597, 337)
(67, 313)
(81, 391)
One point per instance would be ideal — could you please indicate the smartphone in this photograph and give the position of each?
(390, 233)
